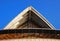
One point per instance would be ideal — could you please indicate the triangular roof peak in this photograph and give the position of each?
(15, 22)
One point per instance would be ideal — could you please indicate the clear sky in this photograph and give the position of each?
(50, 9)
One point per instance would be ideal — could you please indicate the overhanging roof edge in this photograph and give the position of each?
(17, 18)
(42, 17)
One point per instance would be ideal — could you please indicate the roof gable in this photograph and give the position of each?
(22, 17)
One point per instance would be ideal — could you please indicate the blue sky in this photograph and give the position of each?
(50, 9)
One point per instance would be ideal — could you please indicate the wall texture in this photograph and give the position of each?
(32, 40)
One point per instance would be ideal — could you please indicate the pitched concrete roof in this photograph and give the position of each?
(15, 22)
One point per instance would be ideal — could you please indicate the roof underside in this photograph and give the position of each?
(32, 18)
